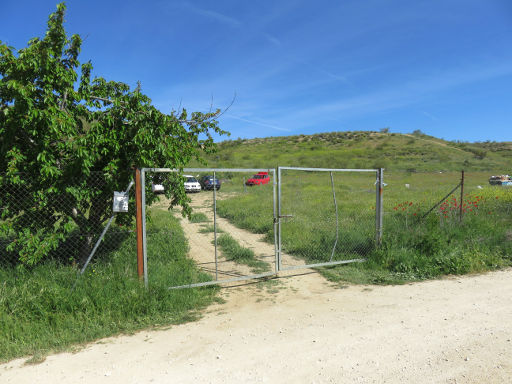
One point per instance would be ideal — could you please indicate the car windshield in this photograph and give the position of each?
(191, 180)
(260, 176)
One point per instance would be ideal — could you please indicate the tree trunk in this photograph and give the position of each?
(85, 248)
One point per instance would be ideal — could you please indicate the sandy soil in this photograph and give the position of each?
(201, 244)
(301, 328)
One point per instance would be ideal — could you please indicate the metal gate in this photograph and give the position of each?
(319, 216)
(327, 216)
(207, 231)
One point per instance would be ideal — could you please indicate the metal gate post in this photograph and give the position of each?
(379, 206)
(144, 242)
(138, 222)
(274, 197)
(279, 218)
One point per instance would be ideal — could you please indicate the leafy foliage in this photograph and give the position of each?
(57, 129)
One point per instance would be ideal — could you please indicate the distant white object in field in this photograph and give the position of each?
(407, 185)
(479, 187)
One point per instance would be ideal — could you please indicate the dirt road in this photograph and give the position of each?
(302, 329)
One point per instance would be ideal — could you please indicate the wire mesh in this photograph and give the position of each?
(326, 216)
(228, 236)
(60, 221)
(412, 200)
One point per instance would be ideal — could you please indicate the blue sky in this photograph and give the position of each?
(300, 67)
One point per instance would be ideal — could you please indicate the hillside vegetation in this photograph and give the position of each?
(364, 149)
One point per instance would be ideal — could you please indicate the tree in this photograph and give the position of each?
(59, 131)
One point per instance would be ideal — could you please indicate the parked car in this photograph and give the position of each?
(207, 182)
(191, 184)
(156, 184)
(258, 179)
(503, 180)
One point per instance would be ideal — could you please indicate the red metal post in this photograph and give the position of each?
(138, 221)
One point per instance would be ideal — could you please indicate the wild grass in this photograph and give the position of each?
(233, 251)
(198, 217)
(411, 248)
(209, 229)
(39, 312)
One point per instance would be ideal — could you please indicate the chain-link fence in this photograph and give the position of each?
(410, 198)
(440, 217)
(229, 233)
(327, 216)
(241, 226)
(61, 220)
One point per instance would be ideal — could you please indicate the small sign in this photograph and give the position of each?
(121, 202)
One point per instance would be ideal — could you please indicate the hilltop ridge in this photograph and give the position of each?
(414, 152)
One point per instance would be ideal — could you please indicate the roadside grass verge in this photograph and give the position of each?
(40, 314)
(233, 251)
(412, 249)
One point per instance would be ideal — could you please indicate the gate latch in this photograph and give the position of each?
(281, 217)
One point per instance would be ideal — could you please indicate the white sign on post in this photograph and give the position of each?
(121, 202)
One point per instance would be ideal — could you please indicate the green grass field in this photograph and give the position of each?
(39, 313)
(411, 249)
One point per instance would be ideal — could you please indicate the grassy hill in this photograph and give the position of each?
(365, 149)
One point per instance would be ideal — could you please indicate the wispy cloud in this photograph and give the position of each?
(213, 15)
(258, 123)
(430, 116)
(227, 20)
(318, 68)
(274, 40)
(411, 92)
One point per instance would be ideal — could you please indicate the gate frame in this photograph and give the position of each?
(277, 216)
(379, 183)
(211, 170)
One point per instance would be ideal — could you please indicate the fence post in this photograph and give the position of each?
(274, 198)
(138, 222)
(378, 206)
(279, 243)
(461, 196)
(215, 226)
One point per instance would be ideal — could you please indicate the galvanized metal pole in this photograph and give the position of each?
(379, 207)
(138, 223)
(274, 184)
(215, 226)
(461, 212)
(279, 265)
(336, 211)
